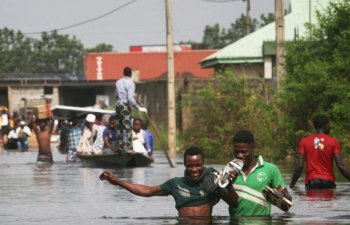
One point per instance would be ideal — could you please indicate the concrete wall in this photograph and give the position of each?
(21, 97)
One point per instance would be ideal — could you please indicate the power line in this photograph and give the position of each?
(85, 21)
(221, 1)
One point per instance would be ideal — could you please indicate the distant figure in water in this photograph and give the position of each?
(318, 151)
(22, 133)
(43, 129)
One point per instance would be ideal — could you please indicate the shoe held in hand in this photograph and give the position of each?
(142, 109)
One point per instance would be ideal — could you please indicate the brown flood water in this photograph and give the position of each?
(66, 193)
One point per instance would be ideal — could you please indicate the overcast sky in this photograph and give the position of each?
(133, 22)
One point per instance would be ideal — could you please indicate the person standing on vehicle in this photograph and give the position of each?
(124, 93)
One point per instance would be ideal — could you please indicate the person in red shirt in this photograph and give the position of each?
(318, 151)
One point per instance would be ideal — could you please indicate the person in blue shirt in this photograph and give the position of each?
(124, 93)
(110, 137)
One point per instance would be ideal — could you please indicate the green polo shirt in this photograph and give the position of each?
(251, 201)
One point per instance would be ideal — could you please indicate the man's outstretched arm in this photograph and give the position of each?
(136, 189)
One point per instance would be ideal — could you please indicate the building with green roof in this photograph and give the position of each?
(254, 55)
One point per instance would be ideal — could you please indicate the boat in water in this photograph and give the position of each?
(115, 160)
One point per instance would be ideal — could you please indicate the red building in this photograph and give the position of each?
(145, 65)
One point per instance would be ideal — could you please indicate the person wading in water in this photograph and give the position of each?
(43, 131)
(190, 195)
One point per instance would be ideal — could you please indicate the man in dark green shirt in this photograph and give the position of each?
(191, 199)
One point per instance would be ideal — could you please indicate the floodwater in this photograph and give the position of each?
(66, 193)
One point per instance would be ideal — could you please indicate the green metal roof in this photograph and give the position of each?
(249, 49)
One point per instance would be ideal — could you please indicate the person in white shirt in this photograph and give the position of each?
(23, 132)
(5, 126)
(12, 140)
(88, 136)
(139, 137)
(97, 147)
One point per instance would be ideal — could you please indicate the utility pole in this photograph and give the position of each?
(171, 84)
(247, 22)
(279, 12)
(310, 16)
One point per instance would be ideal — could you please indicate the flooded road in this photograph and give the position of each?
(66, 193)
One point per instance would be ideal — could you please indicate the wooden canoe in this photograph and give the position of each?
(116, 160)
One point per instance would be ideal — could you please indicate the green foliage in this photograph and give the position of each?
(103, 47)
(53, 53)
(318, 76)
(266, 19)
(15, 51)
(212, 38)
(215, 36)
(56, 53)
(227, 105)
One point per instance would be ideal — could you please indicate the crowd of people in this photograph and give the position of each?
(244, 194)
(97, 134)
(14, 131)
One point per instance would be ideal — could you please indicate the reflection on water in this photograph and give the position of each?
(66, 193)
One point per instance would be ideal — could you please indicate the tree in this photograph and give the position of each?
(52, 54)
(226, 105)
(215, 37)
(267, 19)
(102, 47)
(15, 51)
(238, 29)
(56, 53)
(212, 38)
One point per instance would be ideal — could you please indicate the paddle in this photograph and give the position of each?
(157, 133)
(162, 145)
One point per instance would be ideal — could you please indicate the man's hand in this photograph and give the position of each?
(110, 177)
(233, 174)
(142, 109)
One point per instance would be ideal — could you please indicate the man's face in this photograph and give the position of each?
(244, 152)
(194, 166)
(112, 124)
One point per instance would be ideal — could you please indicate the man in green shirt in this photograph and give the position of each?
(254, 177)
(188, 192)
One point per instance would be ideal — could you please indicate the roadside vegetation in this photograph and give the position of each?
(317, 81)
